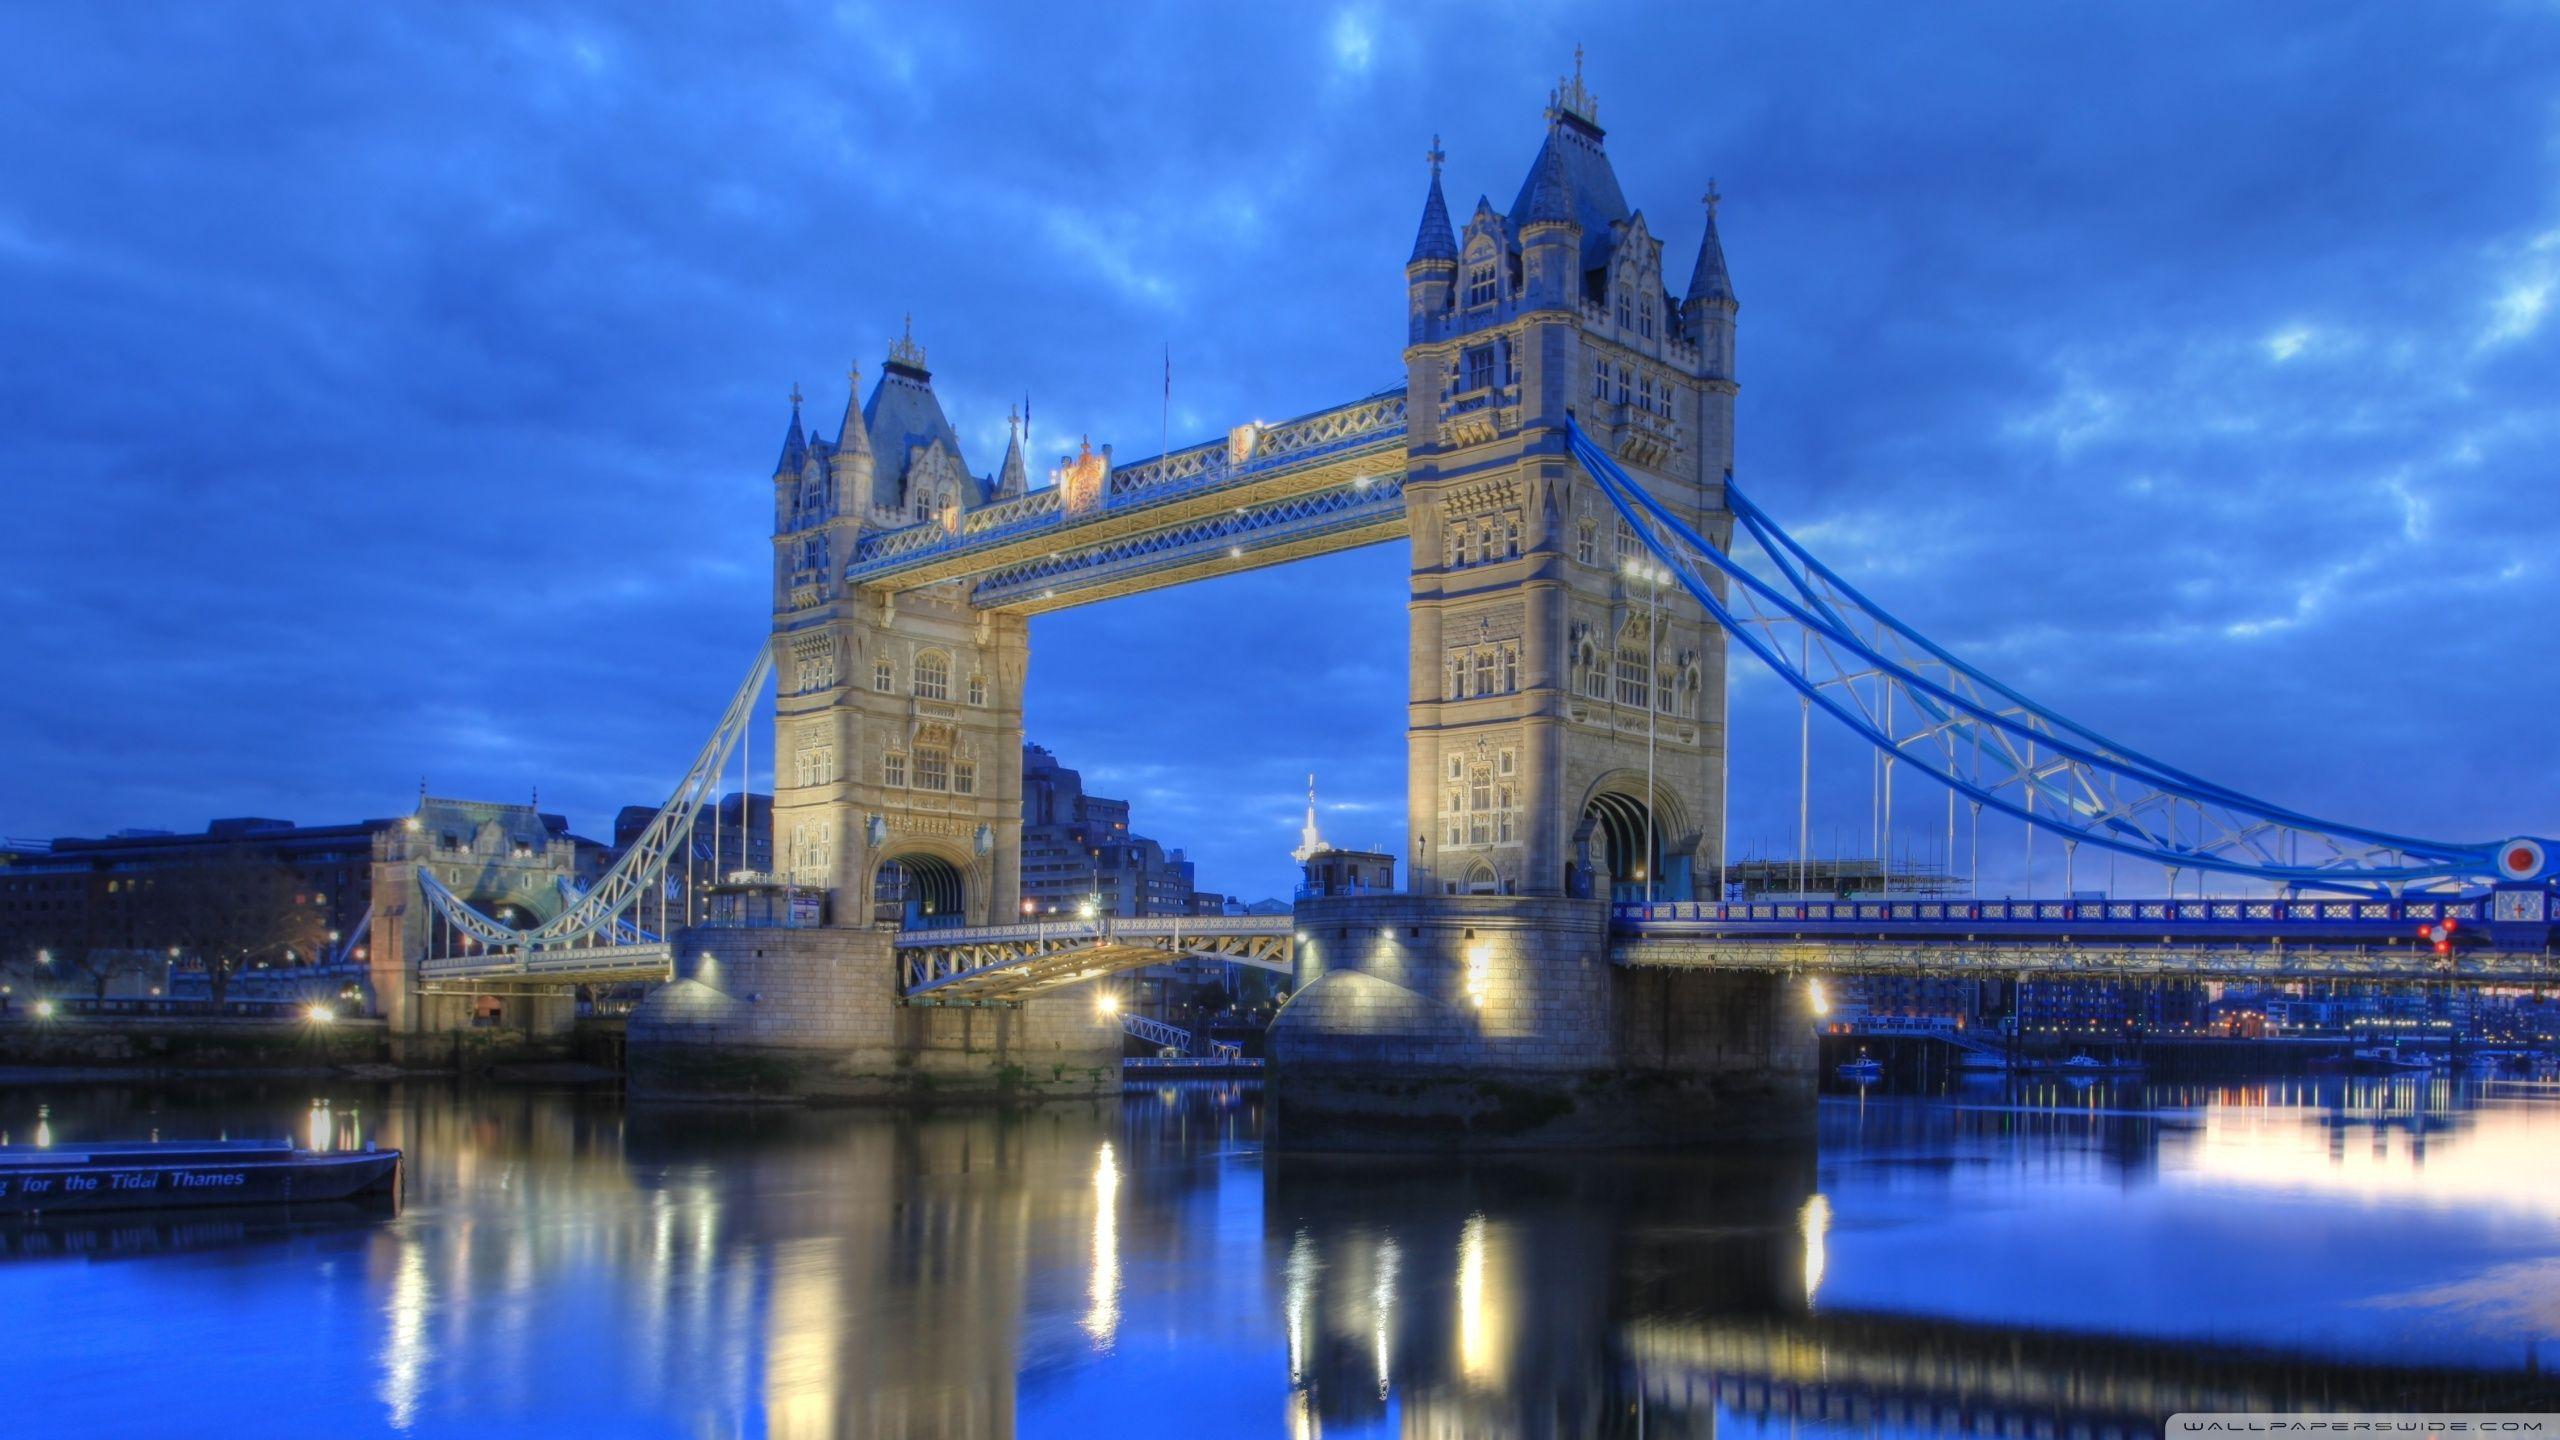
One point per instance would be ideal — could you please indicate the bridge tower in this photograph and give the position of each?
(1565, 741)
(1546, 660)
(898, 720)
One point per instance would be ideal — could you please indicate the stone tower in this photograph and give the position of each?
(1542, 667)
(898, 720)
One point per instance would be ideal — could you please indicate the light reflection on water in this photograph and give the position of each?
(1979, 1262)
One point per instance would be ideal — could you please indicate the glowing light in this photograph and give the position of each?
(1479, 974)
(1301, 1291)
(44, 1009)
(1815, 1222)
(1383, 1300)
(1109, 1004)
(1102, 1316)
(321, 1014)
(1479, 1344)
(1816, 998)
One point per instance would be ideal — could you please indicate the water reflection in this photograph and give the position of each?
(1977, 1264)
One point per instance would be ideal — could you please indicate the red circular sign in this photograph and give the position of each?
(2520, 859)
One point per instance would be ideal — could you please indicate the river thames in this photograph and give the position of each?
(2048, 1260)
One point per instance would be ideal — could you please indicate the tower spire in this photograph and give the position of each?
(1709, 280)
(1436, 239)
(1309, 841)
(853, 436)
(795, 445)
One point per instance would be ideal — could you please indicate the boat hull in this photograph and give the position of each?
(133, 1183)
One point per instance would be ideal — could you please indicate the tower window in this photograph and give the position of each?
(933, 768)
(933, 676)
(1635, 666)
(1644, 317)
(1484, 672)
(882, 676)
(1482, 287)
(1626, 316)
(1599, 379)
(893, 770)
(1623, 377)
(1586, 543)
(977, 689)
(1478, 368)
(1626, 542)
(964, 776)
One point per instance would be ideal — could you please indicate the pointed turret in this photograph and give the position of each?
(853, 436)
(1435, 239)
(795, 445)
(1012, 478)
(1548, 197)
(1709, 279)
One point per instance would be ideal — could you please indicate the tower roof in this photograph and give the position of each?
(1435, 239)
(795, 445)
(1572, 180)
(1709, 280)
(903, 417)
(1012, 477)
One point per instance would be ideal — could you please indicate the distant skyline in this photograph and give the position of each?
(393, 392)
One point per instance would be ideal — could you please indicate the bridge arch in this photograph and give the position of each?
(920, 888)
(1610, 858)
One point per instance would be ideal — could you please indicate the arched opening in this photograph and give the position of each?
(1613, 837)
(1482, 881)
(918, 892)
(508, 913)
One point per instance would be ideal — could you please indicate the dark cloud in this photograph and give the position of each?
(389, 391)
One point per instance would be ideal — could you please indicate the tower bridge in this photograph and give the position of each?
(1559, 463)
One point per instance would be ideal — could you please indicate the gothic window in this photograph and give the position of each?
(1626, 314)
(1484, 672)
(1644, 317)
(893, 770)
(1586, 543)
(1644, 393)
(1510, 669)
(933, 676)
(810, 849)
(933, 768)
(1635, 666)
(1588, 675)
(1481, 284)
(816, 765)
(1627, 546)
(977, 689)
(1623, 378)
(1599, 379)
(817, 670)
(1466, 544)
(1457, 767)
(1510, 534)
(882, 676)
(1690, 685)
(1478, 369)
(964, 776)
(1504, 810)
(1504, 763)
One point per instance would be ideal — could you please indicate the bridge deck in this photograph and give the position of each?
(1330, 480)
(1006, 963)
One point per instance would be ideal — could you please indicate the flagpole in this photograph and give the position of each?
(1164, 444)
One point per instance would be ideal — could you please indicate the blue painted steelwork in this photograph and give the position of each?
(2089, 789)
(1238, 534)
(2350, 921)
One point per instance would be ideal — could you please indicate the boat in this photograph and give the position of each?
(2084, 1063)
(1863, 1069)
(130, 1175)
(2388, 1060)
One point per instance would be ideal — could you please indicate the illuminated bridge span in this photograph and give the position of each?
(1007, 963)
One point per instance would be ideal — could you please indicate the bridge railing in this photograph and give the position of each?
(2237, 913)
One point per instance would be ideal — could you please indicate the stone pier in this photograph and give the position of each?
(1498, 1021)
(772, 1013)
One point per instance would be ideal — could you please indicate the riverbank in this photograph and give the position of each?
(160, 1047)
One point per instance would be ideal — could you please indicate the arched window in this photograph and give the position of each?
(1511, 535)
(1481, 880)
(882, 676)
(1484, 673)
(1586, 543)
(933, 676)
(933, 768)
(1644, 317)
(977, 689)
(1484, 285)
(1635, 666)
(1625, 540)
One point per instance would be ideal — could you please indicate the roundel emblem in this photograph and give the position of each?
(2520, 859)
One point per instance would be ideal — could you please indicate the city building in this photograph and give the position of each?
(1077, 847)
(1331, 870)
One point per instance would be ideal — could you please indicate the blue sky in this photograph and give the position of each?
(391, 391)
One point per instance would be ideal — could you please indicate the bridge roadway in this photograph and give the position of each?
(1326, 481)
(2224, 939)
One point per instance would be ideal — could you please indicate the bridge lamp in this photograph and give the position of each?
(44, 957)
(1816, 998)
(1085, 910)
(44, 1009)
(320, 1014)
(1109, 1004)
